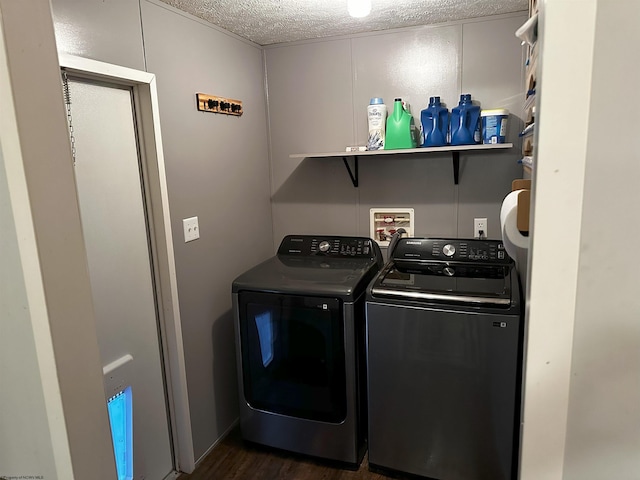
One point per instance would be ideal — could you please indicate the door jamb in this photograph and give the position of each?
(148, 117)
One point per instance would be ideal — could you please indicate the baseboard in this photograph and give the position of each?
(222, 437)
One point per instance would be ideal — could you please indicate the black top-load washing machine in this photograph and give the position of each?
(299, 323)
(444, 352)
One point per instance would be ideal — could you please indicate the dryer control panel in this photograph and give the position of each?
(331, 246)
(451, 250)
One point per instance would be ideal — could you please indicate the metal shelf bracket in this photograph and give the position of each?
(456, 166)
(352, 173)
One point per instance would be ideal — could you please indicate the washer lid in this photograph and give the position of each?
(446, 282)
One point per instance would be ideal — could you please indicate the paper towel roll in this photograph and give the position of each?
(515, 243)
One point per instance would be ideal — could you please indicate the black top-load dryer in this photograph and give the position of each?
(299, 322)
(444, 353)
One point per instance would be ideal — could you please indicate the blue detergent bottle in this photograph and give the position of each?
(435, 122)
(465, 122)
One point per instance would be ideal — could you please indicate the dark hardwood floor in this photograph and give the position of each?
(232, 459)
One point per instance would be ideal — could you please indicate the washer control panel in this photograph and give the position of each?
(336, 247)
(452, 250)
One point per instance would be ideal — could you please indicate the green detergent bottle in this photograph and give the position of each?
(400, 128)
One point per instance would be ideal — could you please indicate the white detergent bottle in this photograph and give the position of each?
(377, 119)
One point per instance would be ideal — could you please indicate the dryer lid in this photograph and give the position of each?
(313, 265)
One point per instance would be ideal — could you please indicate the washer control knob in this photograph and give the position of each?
(324, 246)
(449, 271)
(449, 250)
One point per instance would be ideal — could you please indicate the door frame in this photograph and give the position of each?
(147, 116)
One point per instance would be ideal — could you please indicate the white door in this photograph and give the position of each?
(112, 208)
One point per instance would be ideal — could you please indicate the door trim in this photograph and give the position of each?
(148, 118)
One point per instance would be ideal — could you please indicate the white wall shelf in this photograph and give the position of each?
(453, 149)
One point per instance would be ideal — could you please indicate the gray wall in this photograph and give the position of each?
(318, 92)
(217, 169)
(104, 31)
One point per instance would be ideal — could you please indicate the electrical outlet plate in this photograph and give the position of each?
(385, 221)
(479, 224)
(191, 229)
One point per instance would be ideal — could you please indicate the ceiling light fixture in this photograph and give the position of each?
(359, 8)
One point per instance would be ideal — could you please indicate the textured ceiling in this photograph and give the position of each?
(266, 22)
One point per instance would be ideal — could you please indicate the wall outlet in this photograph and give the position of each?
(479, 228)
(191, 229)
